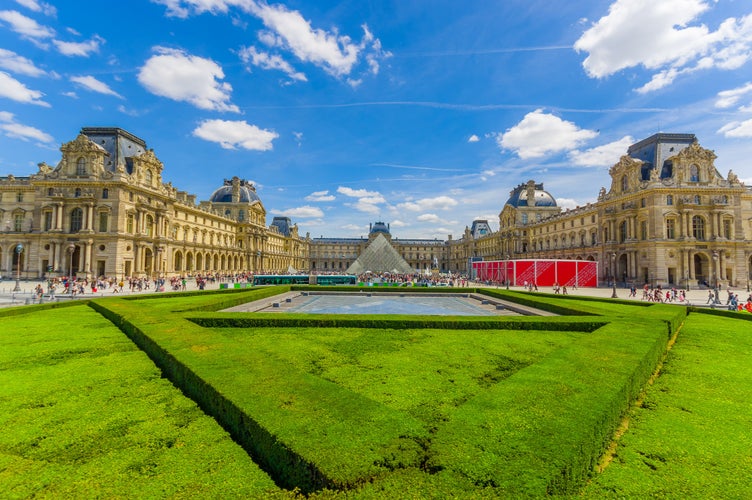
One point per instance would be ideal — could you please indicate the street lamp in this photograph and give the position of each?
(613, 275)
(19, 250)
(71, 250)
(716, 300)
(506, 271)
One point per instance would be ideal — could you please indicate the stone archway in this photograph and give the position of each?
(702, 268)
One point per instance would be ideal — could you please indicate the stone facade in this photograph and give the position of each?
(104, 211)
(669, 217)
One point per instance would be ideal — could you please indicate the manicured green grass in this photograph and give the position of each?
(690, 438)
(377, 409)
(85, 414)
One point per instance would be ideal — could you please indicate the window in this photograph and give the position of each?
(129, 224)
(105, 193)
(623, 232)
(76, 220)
(81, 166)
(18, 222)
(642, 202)
(50, 191)
(670, 229)
(669, 199)
(624, 183)
(47, 221)
(103, 219)
(77, 193)
(19, 197)
(241, 215)
(697, 199)
(148, 177)
(694, 174)
(594, 238)
(698, 227)
(149, 225)
(524, 218)
(727, 228)
(643, 230)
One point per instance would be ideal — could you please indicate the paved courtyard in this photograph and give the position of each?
(695, 297)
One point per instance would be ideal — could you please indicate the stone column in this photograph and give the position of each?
(59, 217)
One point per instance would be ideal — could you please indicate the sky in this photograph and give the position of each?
(421, 114)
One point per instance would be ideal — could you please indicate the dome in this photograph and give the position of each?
(520, 196)
(379, 227)
(246, 192)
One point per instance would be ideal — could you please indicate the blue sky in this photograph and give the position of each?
(422, 114)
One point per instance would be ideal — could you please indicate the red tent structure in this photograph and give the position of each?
(540, 272)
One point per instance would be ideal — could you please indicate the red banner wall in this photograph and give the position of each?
(541, 272)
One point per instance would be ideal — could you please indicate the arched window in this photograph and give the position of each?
(624, 183)
(694, 173)
(81, 166)
(148, 177)
(668, 170)
(105, 193)
(76, 220)
(698, 227)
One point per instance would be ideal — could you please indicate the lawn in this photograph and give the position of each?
(371, 408)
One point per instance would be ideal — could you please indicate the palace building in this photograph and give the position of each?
(668, 217)
(104, 211)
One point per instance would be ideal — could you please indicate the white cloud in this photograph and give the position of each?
(658, 36)
(304, 212)
(429, 218)
(235, 134)
(473, 138)
(265, 60)
(602, 156)
(437, 203)
(10, 128)
(179, 76)
(17, 91)
(83, 49)
(737, 129)
(368, 201)
(567, 203)
(42, 7)
(335, 53)
(728, 98)
(320, 196)
(353, 227)
(398, 223)
(91, 83)
(18, 64)
(540, 133)
(25, 26)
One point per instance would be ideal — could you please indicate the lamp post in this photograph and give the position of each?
(71, 250)
(716, 300)
(613, 275)
(506, 271)
(19, 250)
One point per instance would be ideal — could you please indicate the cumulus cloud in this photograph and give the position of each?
(541, 133)
(602, 156)
(91, 83)
(82, 49)
(660, 36)
(398, 223)
(473, 138)
(264, 60)
(437, 203)
(367, 201)
(320, 196)
(304, 212)
(236, 134)
(728, 98)
(174, 74)
(11, 128)
(567, 203)
(737, 130)
(287, 30)
(429, 218)
(41, 7)
(25, 26)
(17, 91)
(18, 64)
